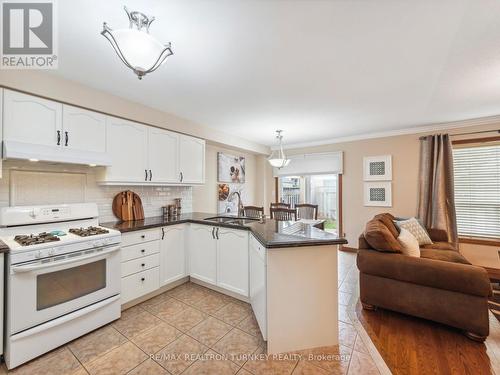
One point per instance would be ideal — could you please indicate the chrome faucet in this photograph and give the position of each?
(241, 208)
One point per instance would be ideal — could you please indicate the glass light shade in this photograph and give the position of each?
(135, 47)
(279, 163)
(138, 48)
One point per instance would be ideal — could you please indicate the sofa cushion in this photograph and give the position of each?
(409, 244)
(388, 221)
(445, 255)
(417, 229)
(380, 237)
(457, 277)
(441, 246)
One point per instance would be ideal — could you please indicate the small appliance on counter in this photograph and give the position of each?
(63, 277)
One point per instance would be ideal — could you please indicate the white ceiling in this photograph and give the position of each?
(316, 69)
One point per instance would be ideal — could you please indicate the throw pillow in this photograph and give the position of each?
(380, 238)
(409, 244)
(417, 229)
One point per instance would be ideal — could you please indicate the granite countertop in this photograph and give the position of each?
(271, 233)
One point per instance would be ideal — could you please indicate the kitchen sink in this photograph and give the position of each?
(234, 220)
(220, 219)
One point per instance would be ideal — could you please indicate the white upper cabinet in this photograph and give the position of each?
(83, 130)
(126, 143)
(163, 155)
(232, 260)
(30, 119)
(191, 160)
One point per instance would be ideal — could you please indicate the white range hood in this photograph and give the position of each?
(27, 151)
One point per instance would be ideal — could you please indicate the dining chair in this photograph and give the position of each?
(307, 211)
(281, 205)
(253, 211)
(283, 214)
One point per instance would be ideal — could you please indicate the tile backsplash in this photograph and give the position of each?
(27, 183)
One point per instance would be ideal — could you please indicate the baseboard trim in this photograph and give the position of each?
(348, 249)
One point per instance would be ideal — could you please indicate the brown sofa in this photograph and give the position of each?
(441, 285)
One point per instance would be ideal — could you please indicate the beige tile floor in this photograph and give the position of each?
(194, 330)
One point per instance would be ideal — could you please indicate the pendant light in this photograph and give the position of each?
(137, 49)
(277, 159)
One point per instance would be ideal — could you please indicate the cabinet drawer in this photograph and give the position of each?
(140, 264)
(134, 238)
(140, 250)
(139, 284)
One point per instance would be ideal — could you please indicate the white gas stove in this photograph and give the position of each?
(67, 270)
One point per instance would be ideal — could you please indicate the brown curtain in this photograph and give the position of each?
(436, 198)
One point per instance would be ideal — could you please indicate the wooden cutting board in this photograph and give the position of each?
(127, 206)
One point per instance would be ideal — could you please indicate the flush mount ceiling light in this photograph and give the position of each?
(277, 158)
(135, 47)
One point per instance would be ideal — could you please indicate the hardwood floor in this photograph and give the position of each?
(413, 346)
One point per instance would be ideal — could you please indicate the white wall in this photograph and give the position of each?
(205, 197)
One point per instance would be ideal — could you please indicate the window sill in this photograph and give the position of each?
(480, 241)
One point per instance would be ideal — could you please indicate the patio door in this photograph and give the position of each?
(322, 190)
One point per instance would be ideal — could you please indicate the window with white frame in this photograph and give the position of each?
(477, 190)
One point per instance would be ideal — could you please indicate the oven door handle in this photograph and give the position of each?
(65, 318)
(39, 266)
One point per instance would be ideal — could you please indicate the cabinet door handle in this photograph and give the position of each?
(182, 177)
(143, 236)
(213, 235)
(146, 178)
(66, 138)
(217, 233)
(162, 233)
(143, 264)
(143, 251)
(143, 278)
(150, 175)
(58, 137)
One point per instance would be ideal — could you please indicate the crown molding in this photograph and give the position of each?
(393, 133)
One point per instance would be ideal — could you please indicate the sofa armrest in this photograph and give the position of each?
(362, 243)
(457, 277)
(438, 235)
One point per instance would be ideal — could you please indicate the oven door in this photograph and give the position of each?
(45, 289)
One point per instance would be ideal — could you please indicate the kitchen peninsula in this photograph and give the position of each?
(286, 270)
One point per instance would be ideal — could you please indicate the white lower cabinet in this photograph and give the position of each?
(157, 257)
(203, 253)
(140, 284)
(173, 254)
(140, 266)
(232, 260)
(219, 256)
(258, 284)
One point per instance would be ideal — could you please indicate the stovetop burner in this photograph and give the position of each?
(35, 239)
(90, 231)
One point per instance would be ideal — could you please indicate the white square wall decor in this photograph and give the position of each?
(378, 194)
(377, 168)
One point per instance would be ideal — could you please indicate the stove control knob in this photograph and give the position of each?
(38, 254)
(98, 243)
(52, 252)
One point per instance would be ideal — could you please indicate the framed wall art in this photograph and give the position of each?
(377, 168)
(378, 194)
(231, 169)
